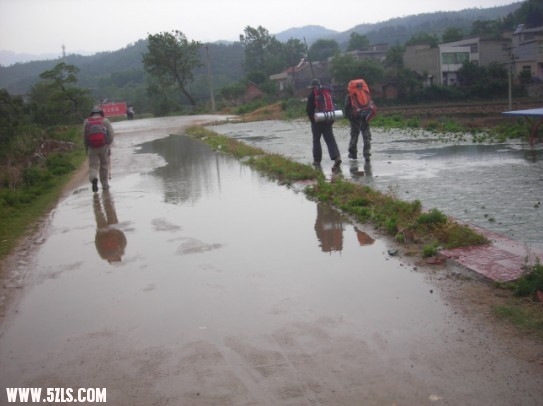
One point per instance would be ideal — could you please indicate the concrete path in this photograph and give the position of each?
(503, 260)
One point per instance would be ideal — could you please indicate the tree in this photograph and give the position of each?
(407, 83)
(232, 93)
(263, 53)
(12, 115)
(452, 34)
(294, 50)
(487, 28)
(394, 58)
(171, 59)
(345, 68)
(483, 81)
(530, 13)
(357, 42)
(56, 99)
(323, 49)
(423, 38)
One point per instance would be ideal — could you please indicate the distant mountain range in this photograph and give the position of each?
(393, 31)
(401, 29)
(8, 58)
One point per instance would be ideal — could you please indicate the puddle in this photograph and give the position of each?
(207, 233)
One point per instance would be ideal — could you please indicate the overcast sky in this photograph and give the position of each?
(43, 26)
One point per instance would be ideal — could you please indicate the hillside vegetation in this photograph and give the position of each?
(120, 75)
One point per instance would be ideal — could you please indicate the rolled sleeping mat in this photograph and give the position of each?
(328, 115)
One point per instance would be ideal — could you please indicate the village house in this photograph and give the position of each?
(295, 79)
(440, 65)
(377, 52)
(527, 52)
(520, 50)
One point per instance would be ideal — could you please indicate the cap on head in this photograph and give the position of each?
(315, 83)
(97, 110)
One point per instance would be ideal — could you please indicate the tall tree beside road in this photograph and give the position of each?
(171, 59)
(264, 55)
(56, 99)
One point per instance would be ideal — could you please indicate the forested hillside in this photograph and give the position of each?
(120, 75)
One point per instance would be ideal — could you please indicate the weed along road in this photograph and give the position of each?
(197, 281)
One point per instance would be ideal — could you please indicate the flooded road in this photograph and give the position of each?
(196, 281)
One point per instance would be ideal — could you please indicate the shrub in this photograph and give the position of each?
(59, 164)
(530, 282)
(433, 217)
(35, 175)
(429, 250)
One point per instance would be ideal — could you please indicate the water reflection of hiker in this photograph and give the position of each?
(109, 240)
(98, 135)
(356, 172)
(363, 238)
(329, 228)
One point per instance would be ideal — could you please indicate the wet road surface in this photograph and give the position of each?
(196, 281)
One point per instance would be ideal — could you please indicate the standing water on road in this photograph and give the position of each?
(498, 187)
(218, 286)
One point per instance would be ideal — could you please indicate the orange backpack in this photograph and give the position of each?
(361, 102)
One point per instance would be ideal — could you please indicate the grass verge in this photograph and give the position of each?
(30, 188)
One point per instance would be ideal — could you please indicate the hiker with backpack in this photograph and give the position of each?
(359, 109)
(320, 110)
(98, 135)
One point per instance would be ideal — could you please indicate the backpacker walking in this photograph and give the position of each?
(98, 135)
(359, 109)
(321, 128)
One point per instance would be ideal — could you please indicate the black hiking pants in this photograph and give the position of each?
(325, 130)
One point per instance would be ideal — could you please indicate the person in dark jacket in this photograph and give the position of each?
(322, 128)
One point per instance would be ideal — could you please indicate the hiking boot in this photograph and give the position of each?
(316, 163)
(352, 156)
(95, 185)
(337, 162)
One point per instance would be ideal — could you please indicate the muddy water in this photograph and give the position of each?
(196, 280)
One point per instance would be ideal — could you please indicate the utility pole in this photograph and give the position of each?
(210, 83)
(512, 59)
(310, 63)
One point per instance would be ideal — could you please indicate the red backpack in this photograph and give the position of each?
(361, 102)
(323, 99)
(95, 132)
